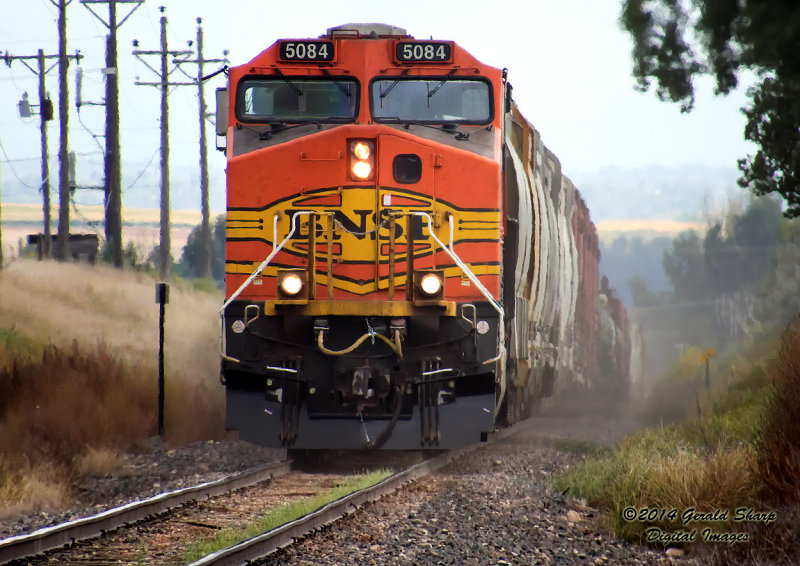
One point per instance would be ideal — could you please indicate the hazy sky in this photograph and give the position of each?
(569, 63)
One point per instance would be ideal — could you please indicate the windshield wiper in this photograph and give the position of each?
(448, 127)
(391, 86)
(280, 127)
(297, 90)
(345, 90)
(441, 83)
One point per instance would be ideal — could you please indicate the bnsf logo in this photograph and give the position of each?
(360, 232)
(361, 224)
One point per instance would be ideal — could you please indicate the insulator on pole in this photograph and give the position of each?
(24, 106)
(78, 83)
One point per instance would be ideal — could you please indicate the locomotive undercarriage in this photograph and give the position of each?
(350, 382)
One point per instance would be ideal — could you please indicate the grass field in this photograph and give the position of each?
(78, 373)
(739, 449)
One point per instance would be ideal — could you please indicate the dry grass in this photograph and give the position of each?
(57, 303)
(78, 374)
(779, 445)
(743, 452)
(776, 467)
(26, 488)
(684, 479)
(99, 462)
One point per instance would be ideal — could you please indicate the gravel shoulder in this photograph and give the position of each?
(146, 474)
(494, 506)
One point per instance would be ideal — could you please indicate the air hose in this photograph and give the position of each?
(386, 433)
(395, 344)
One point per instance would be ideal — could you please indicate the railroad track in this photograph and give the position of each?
(50, 538)
(210, 515)
(262, 545)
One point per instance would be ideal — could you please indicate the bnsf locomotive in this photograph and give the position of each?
(405, 264)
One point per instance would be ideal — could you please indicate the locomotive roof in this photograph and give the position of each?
(367, 30)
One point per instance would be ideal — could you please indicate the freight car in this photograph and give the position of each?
(406, 266)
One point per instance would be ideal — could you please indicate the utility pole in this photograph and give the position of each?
(112, 163)
(163, 85)
(46, 114)
(205, 226)
(44, 99)
(63, 148)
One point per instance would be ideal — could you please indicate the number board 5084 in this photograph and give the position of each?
(306, 50)
(423, 51)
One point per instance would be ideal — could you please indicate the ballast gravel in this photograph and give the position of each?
(494, 507)
(157, 470)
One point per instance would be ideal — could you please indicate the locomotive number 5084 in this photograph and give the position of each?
(423, 51)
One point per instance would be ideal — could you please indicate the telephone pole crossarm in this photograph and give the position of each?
(87, 5)
(205, 226)
(45, 115)
(163, 84)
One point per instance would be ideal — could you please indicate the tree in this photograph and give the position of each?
(675, 41)
(643, 297)
(192, 265)
(744, 255)
(685, 266)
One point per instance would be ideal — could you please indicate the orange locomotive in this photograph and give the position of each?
(364, 251)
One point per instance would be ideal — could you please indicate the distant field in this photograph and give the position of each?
(610, 230)
(140, 225)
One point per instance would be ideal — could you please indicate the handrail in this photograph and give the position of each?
(256, 273)
(501, 348)
(464, 267)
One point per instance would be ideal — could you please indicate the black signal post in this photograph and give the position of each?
(162, 298)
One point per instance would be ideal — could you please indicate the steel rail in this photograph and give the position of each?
(50, 538)
(262, 545)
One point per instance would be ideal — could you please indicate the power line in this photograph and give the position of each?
(46, 114)
(139, 176)
(205, 226)
(163, 85)
(14, 171)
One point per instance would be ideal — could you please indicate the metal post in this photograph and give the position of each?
(162, 298)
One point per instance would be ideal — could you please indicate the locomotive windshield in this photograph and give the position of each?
(286, 99)
(438, 100)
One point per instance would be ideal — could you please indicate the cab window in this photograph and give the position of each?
(287, 99)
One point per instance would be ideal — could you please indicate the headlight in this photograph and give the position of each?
(362, 159)
(430, 284)
(362, 150)
(291, 284)
(362, 169)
